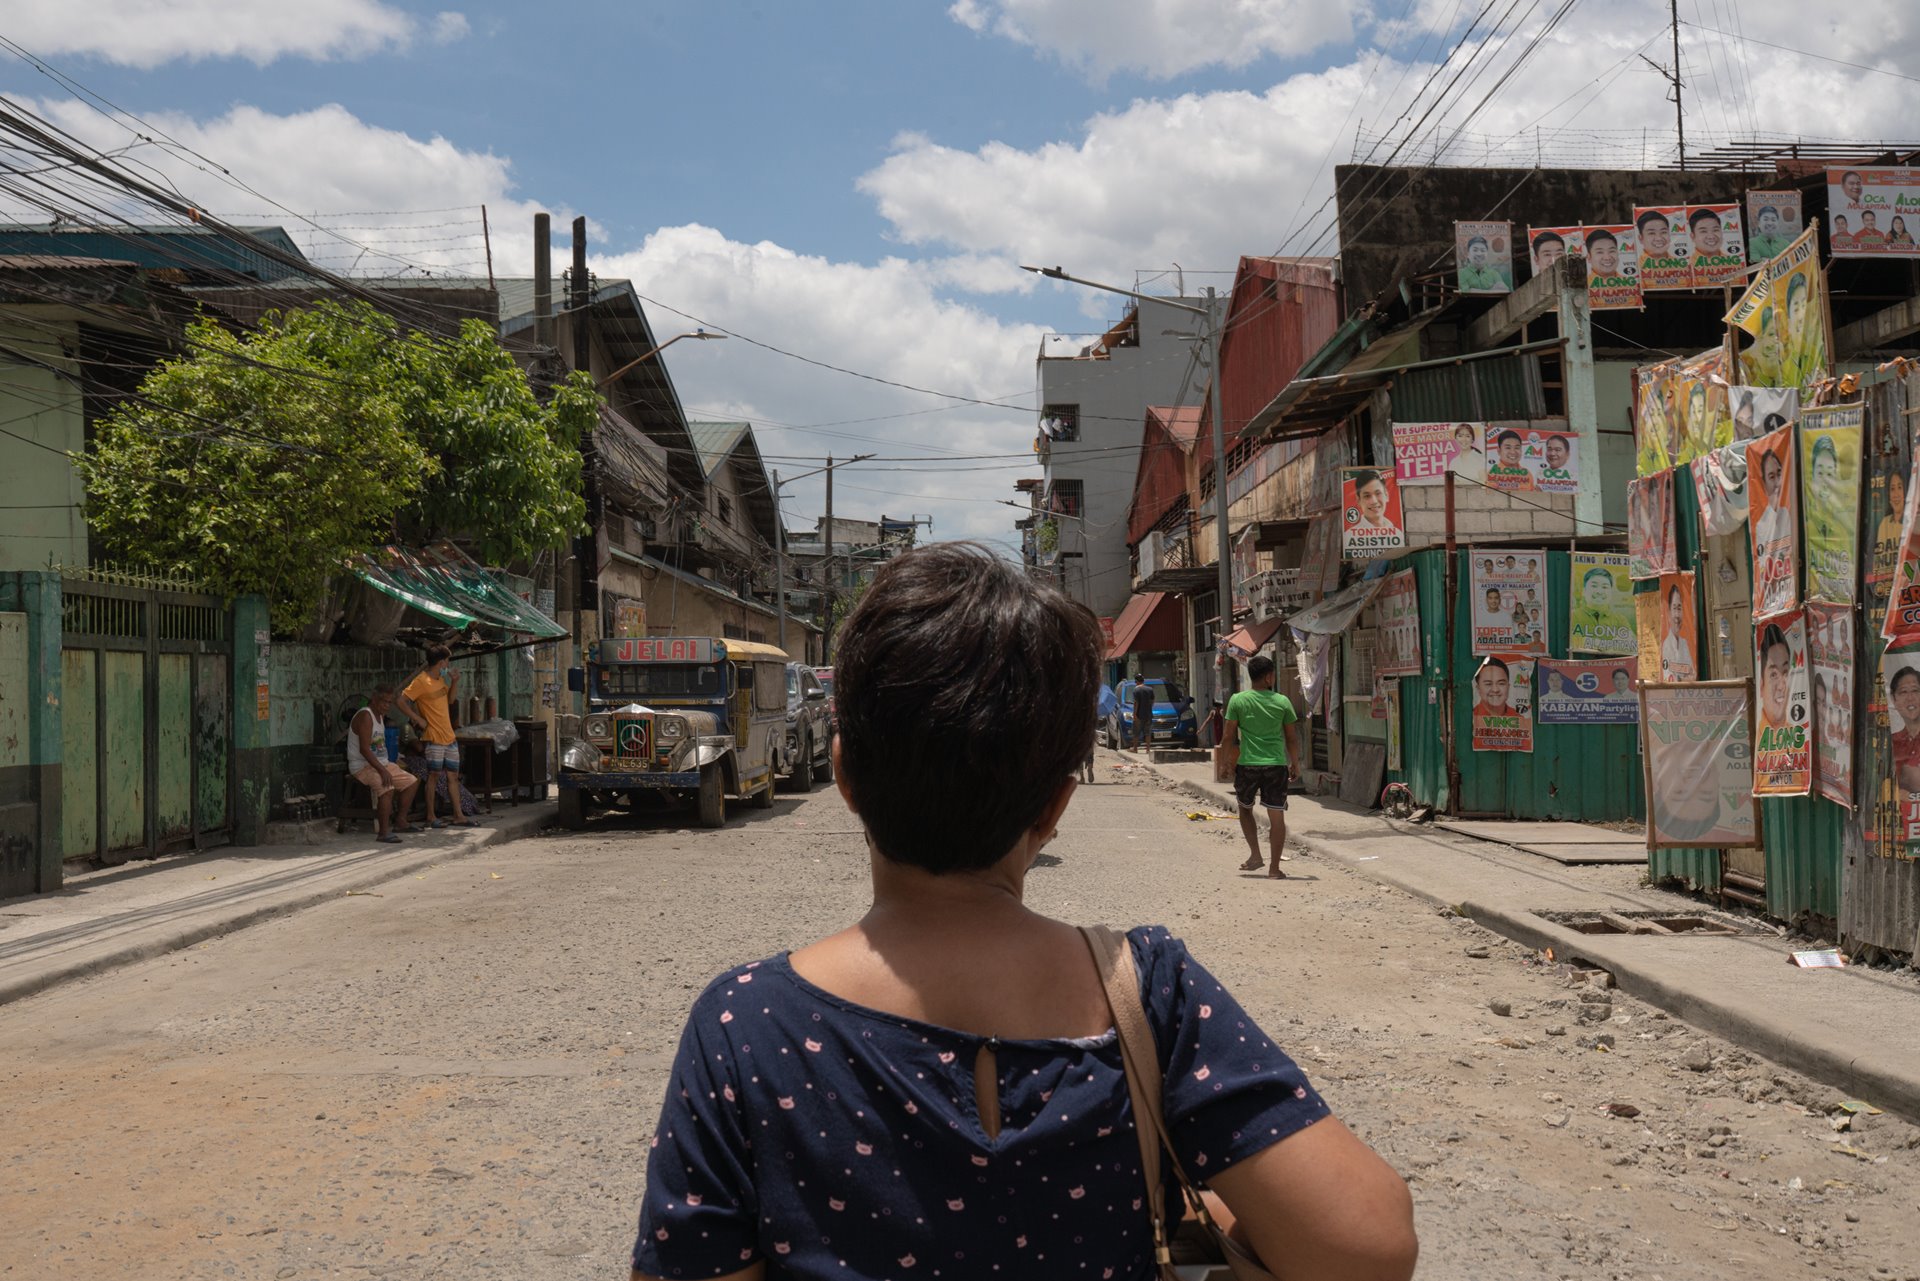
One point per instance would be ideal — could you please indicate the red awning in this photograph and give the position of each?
(1152, 621)
(1245, 642)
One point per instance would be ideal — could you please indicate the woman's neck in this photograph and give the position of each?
(906, 897)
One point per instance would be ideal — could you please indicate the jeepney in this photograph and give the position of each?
(677, 719)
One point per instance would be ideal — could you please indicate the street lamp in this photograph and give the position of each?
(1224, 551)
(614, 377)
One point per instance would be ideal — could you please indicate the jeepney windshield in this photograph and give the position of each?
(662, 680)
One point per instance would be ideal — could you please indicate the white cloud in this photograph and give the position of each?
(140, 33)
(1161, 38)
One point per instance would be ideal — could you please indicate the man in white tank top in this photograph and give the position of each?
(367, 762)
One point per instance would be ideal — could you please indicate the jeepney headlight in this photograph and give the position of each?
(599, 729)
(671, 729)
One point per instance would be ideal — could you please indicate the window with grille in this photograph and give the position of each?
(1060, 422)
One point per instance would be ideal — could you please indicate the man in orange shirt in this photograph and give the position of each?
(426, 702)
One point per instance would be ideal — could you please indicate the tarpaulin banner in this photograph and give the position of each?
(1720, 486)
(1719, 243)
(1311, 650)
(1320, 567)
(1831, 441)
(1759, 410)
(1650, 547)
(1588, 693)
(1548, 245)
(1875, 212)
(1397, 644)
(1654, 439)
(1503, 704)
(1525, 458)
(1666, 253)
(1648, 624)
(1613, 268)
(1776, 531)
(1799, 313)
(1901, 674)
(1783, 746)
(1699, 764)
(1371, 523)
(1509, 590)
(1483, 254)
(1697, 414)
(1679, 632)
(1830, 675)
(1902, 624)
(1773, 223)
(1423, 453)
(1338, 612)
(1601, 618)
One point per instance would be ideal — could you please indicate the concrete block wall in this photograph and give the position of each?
(1480, 513)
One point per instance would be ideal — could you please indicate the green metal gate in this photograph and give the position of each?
(146, 719)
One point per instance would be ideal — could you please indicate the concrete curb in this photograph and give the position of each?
(322, 885)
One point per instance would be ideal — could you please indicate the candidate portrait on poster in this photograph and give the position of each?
(1502, 713)
(1776, 531)
(1509, 590)
(1600, 619)
(1679, 635)
(1372, 525)
(1483, 254)
(1783, 750)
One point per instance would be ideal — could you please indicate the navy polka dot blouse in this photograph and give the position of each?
(831, 1140)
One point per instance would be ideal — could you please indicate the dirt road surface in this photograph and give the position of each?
(458, 1074)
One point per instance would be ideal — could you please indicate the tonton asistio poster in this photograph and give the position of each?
(1588, 693)
(1783, 742)
(1650, 546)
(1502, 714)
(1509, 590)
(1548, 245)
(1613, 268)
(1600, 620)
(1875, 212)
(1776, 530)
(1679, 632)
(1483, 254)
(1830, 687)
(1666, 252)
(1423, 453)
(1773, 223)
(1699, 764)
(1371, 523)
(1830, 443)
(1397, 638)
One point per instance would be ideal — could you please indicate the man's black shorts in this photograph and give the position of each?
(1267, 783)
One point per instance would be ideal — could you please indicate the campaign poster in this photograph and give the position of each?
(1509, 600)
(1666, 253)
(1773, 223)
(1830, 443)
(1588, 693)
(1548, 245)
(1759, 410)
(1720, 488)
(1718, 239)
(1653, 434)
(1900, 674)
(1698, 420)
(1699, 763)
(1647, 627)
(1601, 618)
(1830, 689)
(1390, 689)
(1679, 632)
(1528, 459)
(1613, 268)
(1320, 567)
(1483, 257)
(1776, 529)
(1371, 523)
(1783, 734)
(1503, 704)
(1397, 639)
(1799, 329)
(1875, 212)
(1650, 545)
(1423, 453)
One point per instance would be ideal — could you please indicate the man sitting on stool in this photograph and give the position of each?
(367, 762)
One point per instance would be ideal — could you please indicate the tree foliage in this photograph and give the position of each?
(264, 463)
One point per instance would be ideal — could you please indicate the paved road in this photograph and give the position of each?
(458, 1074)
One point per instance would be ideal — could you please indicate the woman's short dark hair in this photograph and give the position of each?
(966, 694)
(438, 653)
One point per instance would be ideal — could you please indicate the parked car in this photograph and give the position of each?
(809, 743)
(825, 676)
(1174, 720)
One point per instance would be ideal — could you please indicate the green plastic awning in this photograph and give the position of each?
(446, 584)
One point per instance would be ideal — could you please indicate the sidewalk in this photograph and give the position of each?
(124, 914)
(1854, 1029)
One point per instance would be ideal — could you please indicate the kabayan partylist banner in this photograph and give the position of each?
(1830, 444)
(1776, 531)
(1773, 223)
(1371, 522)
(1783, 747)
(1397, 638)
(1503, 704)
(1423, 453)
(1600, 620)
(1901, 674)
(1650, 547)
(1483, 257)
(1588, 693)
(1548, 245)
(1830, 679)
(1875, 212)
(1613, 268)
(1699, 763)
(1509, 590)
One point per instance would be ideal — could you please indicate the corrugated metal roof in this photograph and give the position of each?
(715, 443)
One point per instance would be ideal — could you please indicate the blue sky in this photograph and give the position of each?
(855, 180)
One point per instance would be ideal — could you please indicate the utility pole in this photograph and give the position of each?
(1223, 542)
(1673, 78)
(826, 563)
(826, 578)
(586, 549)
(780, 562)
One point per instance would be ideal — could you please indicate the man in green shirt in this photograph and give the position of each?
(1260, 727)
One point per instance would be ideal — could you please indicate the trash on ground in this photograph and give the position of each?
(1856, 1107)
(1826, 958)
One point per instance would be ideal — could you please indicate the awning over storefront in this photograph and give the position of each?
(1244, 642)
(1151, 622)
(449, 587)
